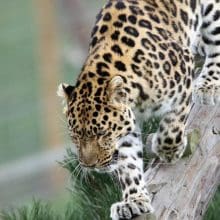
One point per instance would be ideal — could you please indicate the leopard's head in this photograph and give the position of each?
(97, 118)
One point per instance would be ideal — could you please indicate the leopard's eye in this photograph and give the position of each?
(101, 132)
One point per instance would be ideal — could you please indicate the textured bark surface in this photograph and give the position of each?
(183, 191)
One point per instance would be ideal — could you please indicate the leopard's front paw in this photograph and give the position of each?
(169, 153)
(206, 94)
(130, 209)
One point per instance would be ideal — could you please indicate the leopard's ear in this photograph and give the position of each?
(65, 91)
(116, 91)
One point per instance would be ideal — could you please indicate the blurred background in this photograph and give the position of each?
(42, 43)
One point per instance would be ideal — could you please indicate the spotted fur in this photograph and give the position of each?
(141, 62)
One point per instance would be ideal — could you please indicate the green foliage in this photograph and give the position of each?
(37, 211)
(150, 126)
(213, 211)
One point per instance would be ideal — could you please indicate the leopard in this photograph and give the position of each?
(141, 62)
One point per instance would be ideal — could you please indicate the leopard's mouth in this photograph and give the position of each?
(111, 165)
(106, 169)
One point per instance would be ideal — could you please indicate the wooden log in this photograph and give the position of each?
(183, 191)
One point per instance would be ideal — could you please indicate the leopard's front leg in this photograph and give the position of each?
(136, 199)
(170, 141)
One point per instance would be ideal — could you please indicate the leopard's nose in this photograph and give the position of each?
(88, 157)
(90, 162)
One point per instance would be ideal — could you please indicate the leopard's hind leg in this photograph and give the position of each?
(207, 85)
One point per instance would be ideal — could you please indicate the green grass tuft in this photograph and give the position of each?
(37, 211)
(92, 193)
(213, 212)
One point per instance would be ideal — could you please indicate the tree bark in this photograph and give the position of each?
(183, 191)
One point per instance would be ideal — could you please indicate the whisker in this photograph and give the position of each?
(87, 176)
(69, 161)
(82, 176)
(79, 171)
(74, 173)
(63, 120)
